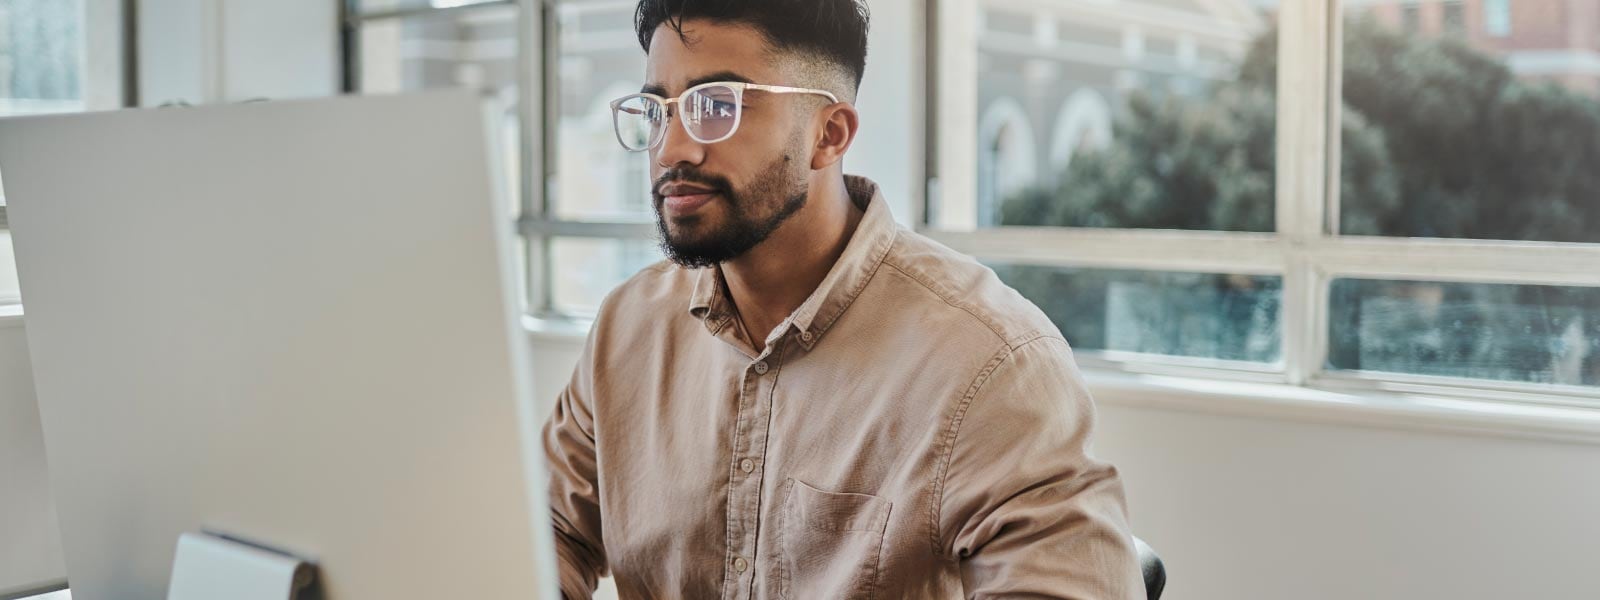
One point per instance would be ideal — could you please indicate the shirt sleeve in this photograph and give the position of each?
(569, 446)
(1023, 507)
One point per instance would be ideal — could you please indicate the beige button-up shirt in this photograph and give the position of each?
(916, 429)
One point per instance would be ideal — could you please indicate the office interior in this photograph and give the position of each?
(1331, 268)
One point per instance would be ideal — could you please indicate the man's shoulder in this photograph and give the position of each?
(948, 281)
(652, 288)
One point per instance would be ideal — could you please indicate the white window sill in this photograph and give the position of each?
(1420, 412)
(10, 315)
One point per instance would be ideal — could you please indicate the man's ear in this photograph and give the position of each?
(839, 127)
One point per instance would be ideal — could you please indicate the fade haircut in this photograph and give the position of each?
(831, 32)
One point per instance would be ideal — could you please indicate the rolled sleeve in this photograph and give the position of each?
(1023, 507)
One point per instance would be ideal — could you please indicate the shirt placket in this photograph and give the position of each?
(745, 473)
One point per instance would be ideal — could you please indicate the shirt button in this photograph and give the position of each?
(761, 368)
(747, 465)
(740, 565)
(805, 336)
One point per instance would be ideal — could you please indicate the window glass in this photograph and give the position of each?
(41, 53)
(1530, 333)
(588, 268)
(475, 49)
(1480, 137)
(1135, 114)
(1497, 17)
(600, 60)
(1202, 315)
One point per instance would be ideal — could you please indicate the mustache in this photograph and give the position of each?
(692, 175)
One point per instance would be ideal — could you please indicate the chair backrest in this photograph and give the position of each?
(1155, 573)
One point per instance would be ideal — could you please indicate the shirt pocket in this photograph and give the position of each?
(830, 543)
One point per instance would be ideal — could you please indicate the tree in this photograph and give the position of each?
(1438, 140)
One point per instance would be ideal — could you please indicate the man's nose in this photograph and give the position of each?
(677, 146)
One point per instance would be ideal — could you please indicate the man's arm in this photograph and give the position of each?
(574, 483)
(1023, 507)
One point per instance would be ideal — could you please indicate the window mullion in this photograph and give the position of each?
(105, 32)
(1303, 155)
(1137, 249)
(1467, 261)
(534, 83)
(952, 202)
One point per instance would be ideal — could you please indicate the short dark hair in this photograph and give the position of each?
(832, 30)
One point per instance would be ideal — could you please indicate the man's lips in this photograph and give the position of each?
(684, 197)
(686, 203)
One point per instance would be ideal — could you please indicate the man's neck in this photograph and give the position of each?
(773, 279)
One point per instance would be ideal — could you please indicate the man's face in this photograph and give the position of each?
(714, 202)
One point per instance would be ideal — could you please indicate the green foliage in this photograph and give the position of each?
(1438, 140)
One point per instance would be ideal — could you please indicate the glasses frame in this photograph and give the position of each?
(738, 88)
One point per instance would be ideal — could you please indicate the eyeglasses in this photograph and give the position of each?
(710, 113)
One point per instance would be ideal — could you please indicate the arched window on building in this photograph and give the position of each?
(1007, 157)
(1083, 123)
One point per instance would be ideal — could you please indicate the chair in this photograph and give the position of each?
(1155, 573)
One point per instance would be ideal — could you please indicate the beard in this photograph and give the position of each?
(752, 214)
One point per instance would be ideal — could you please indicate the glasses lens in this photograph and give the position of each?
(638, 121)
(711, 113)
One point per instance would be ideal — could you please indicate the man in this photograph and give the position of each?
(807, 401)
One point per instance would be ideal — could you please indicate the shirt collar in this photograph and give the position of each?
(862, 256)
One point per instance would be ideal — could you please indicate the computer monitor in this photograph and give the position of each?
(294, 322)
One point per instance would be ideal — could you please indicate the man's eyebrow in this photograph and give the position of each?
(660, 90)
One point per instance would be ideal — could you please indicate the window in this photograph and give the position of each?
(584, 211)
(1455, 17)
(1114, 122)
(595, 183)
(1114, 312)
(1411, 16)
(1429, 216)
(41, 53)
(1497, 17)
(408, 45)
(1409, 102)
(1544, 334)
(1239, 190)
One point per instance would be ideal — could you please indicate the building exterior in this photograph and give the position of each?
(1053, 74)
(1541, 40)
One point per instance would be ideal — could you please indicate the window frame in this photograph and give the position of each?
(538, 87)
(1306, 250)
(109, 65)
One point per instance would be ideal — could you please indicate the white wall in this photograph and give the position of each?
(1268, 508)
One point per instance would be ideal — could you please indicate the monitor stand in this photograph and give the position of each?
(211, 565)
